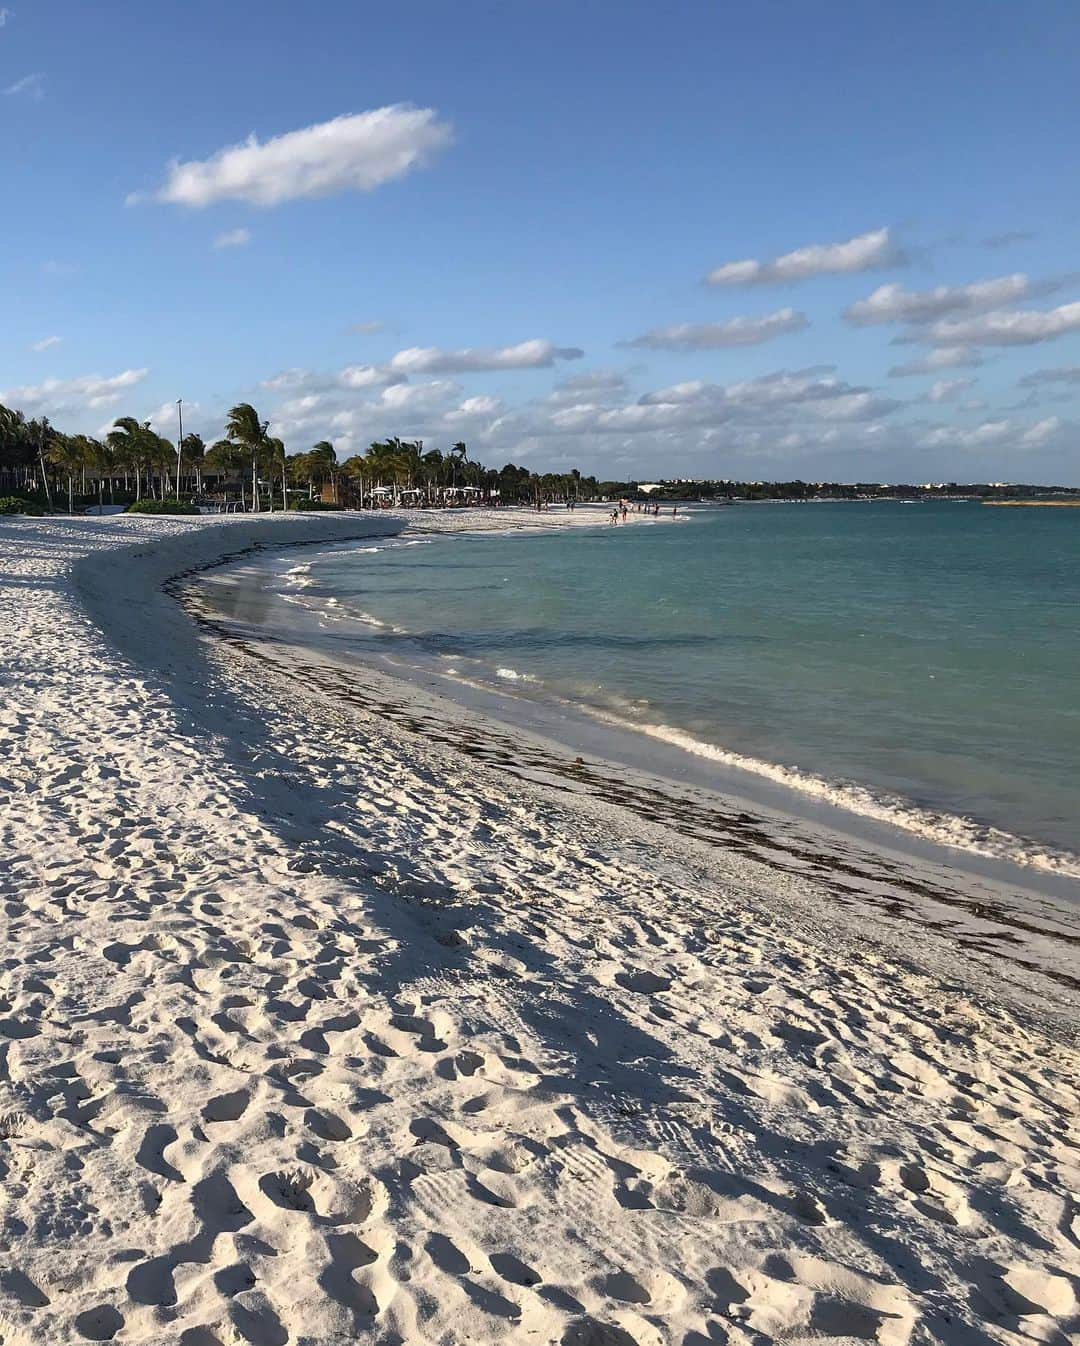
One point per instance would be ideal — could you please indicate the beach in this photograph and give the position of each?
(327, 1018)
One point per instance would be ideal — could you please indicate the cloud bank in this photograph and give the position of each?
(89, 390)
(702, 336)
(1015, 327)
(535, 354)
(865, 252)
(892, 303)
(945, 357)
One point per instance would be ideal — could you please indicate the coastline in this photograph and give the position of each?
(593, 1077)
(1020, 921)
(818, 778)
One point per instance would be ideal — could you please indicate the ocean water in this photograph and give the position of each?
(918, 664)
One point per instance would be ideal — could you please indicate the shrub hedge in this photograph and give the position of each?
(14, 504)
(162, 507)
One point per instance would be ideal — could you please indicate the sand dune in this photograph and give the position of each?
(312, 1032)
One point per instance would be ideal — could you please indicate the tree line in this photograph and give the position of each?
(251, 466)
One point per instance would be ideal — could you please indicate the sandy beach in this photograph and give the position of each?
(318, 1029)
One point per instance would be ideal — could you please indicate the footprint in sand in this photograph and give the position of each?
(327, 1126)
(514, 1270)
(656, 1288)
(99, 1324)
(643, 982)
(593, 1332)
(227, 1107)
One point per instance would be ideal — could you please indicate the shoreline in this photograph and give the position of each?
(350, 1034)
(269, 601)
(1037, 904)
(1023, 937)
(246, 601)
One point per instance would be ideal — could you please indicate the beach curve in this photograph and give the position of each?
(314, 1033)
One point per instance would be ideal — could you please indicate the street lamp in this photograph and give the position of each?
(179, 442)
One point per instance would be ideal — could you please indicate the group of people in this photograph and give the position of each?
(623, 509)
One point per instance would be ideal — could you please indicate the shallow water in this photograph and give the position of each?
(915, 663)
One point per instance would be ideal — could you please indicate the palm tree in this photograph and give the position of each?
(226, 457)
(193, 448)
(68, 452)
(274, 455)
(127, 439)
(243, 427)
(459, 455)
(321, 464)
(44, 435)
(102, 460)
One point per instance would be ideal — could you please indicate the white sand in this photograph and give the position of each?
(313, 1032)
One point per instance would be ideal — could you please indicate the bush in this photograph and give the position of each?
(162, 507)
(13, 504)
(313, 505)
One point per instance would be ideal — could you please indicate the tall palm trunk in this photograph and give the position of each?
(44, 474)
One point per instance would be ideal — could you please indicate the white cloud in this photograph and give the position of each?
(233, 238)
(1041, 431)
(5, 14)
(368, 328)
(772, 401)
(945, 357)
(46, 342)
(298, 413)
(289, 378)
(866, 252)
(418, 396)
(32, 86)
(991, 433)
(861, 406)
(89, 390)
(697, 427)
(350, 153)
(472, 411)
(1009, 327)
(351, 377)
(166, 421)
(952, 436)
(597, 383)
(535, 354)
(892, 303)
(367, 376)
(717, 335)
(947, 390)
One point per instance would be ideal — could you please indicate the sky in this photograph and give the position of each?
(835, 241)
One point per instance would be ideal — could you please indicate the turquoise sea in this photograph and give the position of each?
(916, 663)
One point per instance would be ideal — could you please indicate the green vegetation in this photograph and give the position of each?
(14, 504)
(162, 507)
(248, 468)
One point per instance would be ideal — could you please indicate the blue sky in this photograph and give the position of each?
(518, 224)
